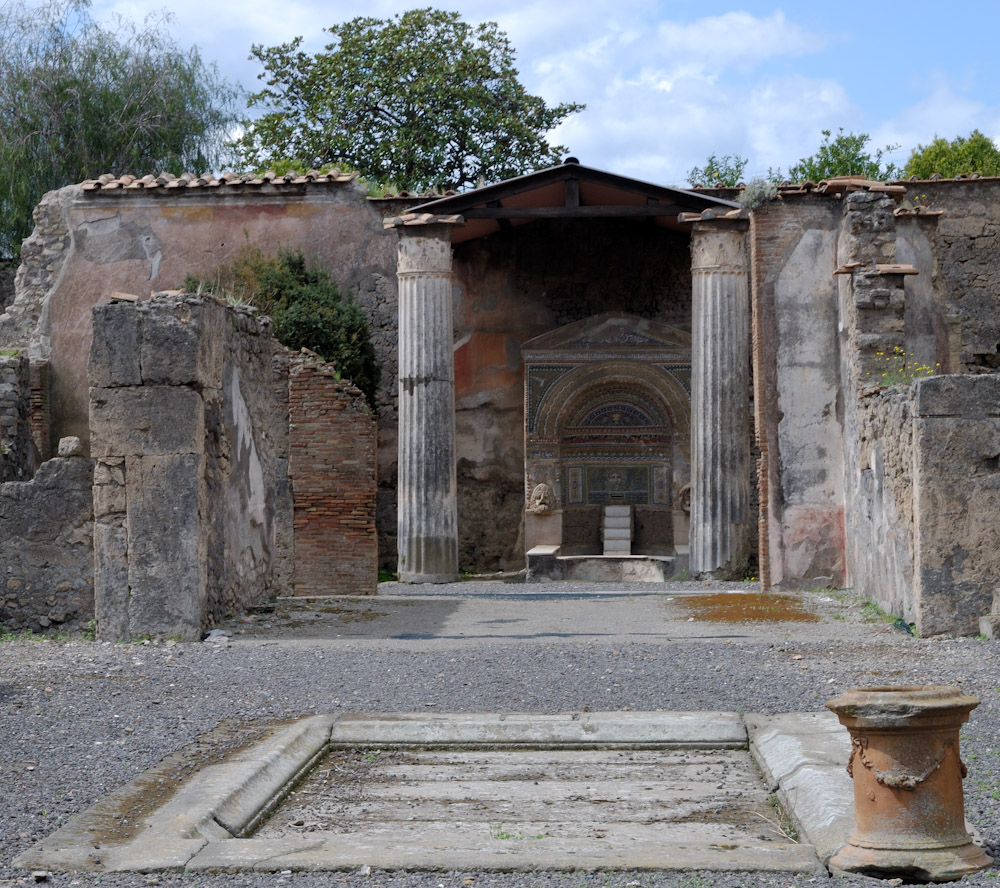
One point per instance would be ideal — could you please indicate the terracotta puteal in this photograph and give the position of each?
(908, 805)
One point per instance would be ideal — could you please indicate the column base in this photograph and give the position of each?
(923, 864)
(414, 577)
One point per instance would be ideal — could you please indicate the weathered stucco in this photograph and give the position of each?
(797, 384)
(880, 528)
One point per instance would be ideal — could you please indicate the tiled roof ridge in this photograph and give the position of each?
(937, 177)
(423, 195)
(190, 181)
(840, 184)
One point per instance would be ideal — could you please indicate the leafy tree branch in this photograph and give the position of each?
(423, 100)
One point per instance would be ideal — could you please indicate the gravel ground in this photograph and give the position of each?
(79, 719)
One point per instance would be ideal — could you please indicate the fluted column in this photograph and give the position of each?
(427, 541)
(720, 408)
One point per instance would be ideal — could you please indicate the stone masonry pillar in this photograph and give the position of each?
(720, 408)
(427, 540)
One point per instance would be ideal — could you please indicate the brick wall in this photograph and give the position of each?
(332, 442)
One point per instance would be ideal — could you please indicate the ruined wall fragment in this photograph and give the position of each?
(880, 517)
(141, 236)
(962, 321)
(956, 480)
(46, 548)
(16, 463)
(922, 454)
(184, 424)
(878, 469)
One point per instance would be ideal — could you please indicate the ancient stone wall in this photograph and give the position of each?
(43, 256)
(142, 237)
(46, 537)
(332, 469)
(16, 462)
(793, 243)
(185, 427)
(8, 269)
(956, 501)
(922, 456)
(877, 472)
(956, 318)
(880, 529)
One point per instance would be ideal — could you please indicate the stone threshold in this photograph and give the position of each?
(207, 823)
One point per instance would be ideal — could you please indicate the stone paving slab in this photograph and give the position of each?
(664, 791)
(702, 729)
(440, 848)
(803, 757)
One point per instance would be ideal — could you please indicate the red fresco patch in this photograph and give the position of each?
(815, 541)
(481, 365)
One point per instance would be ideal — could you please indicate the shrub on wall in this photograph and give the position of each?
(307, 309)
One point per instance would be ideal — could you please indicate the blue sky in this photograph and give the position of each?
(668, 83)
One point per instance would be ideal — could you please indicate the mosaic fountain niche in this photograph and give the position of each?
(607, 424)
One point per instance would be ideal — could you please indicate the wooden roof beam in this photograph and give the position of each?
(568, 212)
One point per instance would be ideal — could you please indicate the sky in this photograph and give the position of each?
(669, 83)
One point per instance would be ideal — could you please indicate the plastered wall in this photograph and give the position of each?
(797, 391)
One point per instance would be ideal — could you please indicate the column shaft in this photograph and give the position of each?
(720, 407)
(427, 541)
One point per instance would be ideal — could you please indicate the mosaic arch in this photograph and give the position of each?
(607, 420)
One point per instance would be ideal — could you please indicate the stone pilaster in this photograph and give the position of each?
(720, 409)
(427, 487)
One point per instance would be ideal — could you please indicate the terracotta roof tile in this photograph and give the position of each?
(711, 214)
(937, 177)
(916, 211)
(191, 182)
(422, 219)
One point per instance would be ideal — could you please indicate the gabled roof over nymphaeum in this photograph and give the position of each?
(611, 335)
(567, 191)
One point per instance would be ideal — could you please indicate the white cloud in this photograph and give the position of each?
(942, 111)
(736, 40)
(786, 117)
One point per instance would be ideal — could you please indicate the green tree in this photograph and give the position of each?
(78, 99)
(420, 100)
(307, 309)
(845, 155)
(725, 170)
(975, 153)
